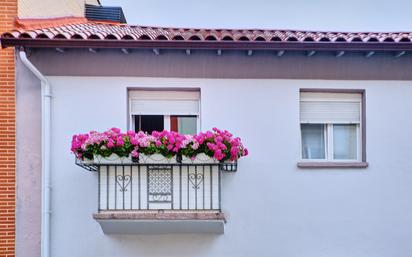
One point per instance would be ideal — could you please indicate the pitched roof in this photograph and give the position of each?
(83, 33)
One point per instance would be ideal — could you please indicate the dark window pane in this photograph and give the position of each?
(149, 123)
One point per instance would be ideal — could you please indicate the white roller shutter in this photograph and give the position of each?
(144, 102)
(335, 108)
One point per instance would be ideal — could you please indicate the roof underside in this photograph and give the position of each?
(89, 34)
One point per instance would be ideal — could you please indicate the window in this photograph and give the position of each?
(331, 126)
(157, 110)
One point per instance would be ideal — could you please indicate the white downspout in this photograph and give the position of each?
(46, 145)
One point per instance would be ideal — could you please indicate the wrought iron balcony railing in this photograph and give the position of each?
(138, 186)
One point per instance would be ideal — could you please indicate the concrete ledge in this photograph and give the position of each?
(161, 215)
(150, 222)
(335, 165)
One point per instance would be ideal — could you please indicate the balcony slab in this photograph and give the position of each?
(160, 222)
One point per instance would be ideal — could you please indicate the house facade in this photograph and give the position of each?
(324, 116)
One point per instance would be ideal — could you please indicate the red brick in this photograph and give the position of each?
(8, 12)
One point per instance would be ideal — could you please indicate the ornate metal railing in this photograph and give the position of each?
(136, 186)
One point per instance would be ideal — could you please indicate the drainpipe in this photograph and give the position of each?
(46, 138)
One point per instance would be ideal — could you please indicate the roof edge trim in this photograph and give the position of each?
(206, 45)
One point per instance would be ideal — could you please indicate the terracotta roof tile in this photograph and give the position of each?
(68, 27)
(29, 24)
(81, 29)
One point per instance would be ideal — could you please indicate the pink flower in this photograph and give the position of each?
(218, 155)
(211, 146)
(209, 135)
(220, 143)
(134, 141)
(120, 142)
(221, 146)
(135, 153)
(116, 130)
(131, 133)
(195, 146)
(172, 140)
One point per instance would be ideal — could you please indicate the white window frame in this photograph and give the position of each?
(328, 135)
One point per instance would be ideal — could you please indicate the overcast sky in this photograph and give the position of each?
(332, 15)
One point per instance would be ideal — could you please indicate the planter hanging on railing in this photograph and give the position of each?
(156, 158)
(115, 147)
(111, 159)
(199, 158)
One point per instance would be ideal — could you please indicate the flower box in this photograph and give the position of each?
(228, 165)
(87, 161)
(156, 158)
(153, 148)
(200, 158)
(112, 159)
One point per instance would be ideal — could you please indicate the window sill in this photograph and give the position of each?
(334, 165)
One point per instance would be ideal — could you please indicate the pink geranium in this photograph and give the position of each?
(219, 144)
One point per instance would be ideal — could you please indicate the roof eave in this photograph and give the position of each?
(206, 45)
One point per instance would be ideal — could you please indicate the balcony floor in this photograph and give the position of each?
(160, 222)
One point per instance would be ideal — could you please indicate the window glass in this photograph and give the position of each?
(149, 123)
(345, 141)
(186, 125)
(313, 141)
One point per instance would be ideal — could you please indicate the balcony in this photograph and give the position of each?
(156, 198)
(164, 182)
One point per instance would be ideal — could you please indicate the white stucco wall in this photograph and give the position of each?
(273, 208)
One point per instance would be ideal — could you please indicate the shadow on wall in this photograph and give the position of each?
(165, 245)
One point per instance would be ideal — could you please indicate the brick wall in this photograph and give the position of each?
(8, 12)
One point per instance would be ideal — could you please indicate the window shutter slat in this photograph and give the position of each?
(345, 110)
(164, 107)
(164, 102)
